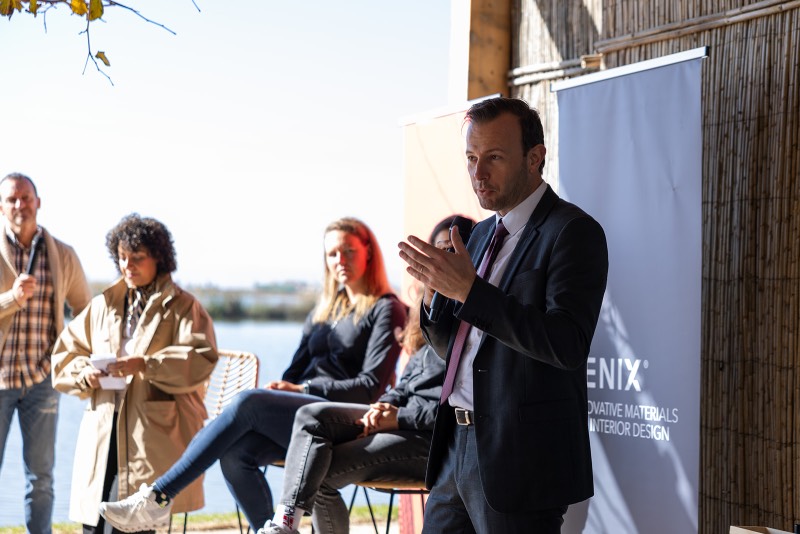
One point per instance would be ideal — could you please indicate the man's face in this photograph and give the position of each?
(19, 203)
(502, 176)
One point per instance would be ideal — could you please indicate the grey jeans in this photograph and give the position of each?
(326, 455)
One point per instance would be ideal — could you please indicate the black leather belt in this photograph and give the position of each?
(464, 417)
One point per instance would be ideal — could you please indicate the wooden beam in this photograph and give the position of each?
(489, 48)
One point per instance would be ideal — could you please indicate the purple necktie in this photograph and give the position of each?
(485, 268)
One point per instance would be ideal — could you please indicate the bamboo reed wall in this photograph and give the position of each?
(750, 398)
(549, 32)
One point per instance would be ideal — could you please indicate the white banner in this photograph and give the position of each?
(630, 155)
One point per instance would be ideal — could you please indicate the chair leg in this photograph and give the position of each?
(389, 515)
(185, 521)
(352, 500)
(369, 507)
(239, 519)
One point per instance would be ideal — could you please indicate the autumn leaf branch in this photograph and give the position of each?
(101, 55)
(91, 10)
(138, 14)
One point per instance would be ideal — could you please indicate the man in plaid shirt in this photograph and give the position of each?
(32, 297)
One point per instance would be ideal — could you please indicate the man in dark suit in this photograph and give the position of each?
(510, 449)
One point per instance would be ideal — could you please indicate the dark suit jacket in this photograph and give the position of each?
(530, 369)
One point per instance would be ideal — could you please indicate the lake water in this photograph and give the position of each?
(273, 342)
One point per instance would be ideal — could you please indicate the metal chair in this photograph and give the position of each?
(394, 487)
(236, 371)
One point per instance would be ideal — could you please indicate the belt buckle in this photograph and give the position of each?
(464, 417)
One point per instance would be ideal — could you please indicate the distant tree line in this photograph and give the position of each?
(283, 301)
(234, 310)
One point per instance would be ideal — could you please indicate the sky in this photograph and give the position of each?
(246, 133)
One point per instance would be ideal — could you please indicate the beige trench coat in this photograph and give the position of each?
(163, 406)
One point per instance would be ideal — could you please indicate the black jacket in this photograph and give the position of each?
(418, 391)
(346, 361)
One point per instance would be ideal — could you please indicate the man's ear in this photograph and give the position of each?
(536, 157)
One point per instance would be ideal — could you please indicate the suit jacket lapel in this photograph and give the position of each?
(477, 245)
(528, 237)
(482, 238)
(526, 241)
(482, 235)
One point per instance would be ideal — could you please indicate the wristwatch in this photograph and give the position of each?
(306, 388)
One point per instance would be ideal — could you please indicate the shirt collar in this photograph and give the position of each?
(516, 219)
(12, 237)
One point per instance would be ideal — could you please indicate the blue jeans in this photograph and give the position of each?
(457, 503)
(326, 454)
(37, 409)
(252, 432)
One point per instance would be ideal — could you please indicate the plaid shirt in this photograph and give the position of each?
(25, 358)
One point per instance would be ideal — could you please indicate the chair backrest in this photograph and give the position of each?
(236, 371)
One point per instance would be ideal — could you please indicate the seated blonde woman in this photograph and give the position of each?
(335, 444)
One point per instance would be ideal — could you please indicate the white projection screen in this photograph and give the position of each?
(630, 147)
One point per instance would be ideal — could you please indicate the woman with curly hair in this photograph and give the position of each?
(141, 352)
(348, 353)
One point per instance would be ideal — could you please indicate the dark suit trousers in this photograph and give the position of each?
(457, 505)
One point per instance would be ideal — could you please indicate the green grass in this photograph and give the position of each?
(199, 521)
(360, 514)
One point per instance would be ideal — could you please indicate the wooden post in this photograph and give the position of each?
(489, 48)
(480, 49)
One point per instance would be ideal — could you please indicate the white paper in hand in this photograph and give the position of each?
(101, 361)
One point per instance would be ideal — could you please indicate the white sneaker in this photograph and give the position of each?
(273, 528)
(138, 512)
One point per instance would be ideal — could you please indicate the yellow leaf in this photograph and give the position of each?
(102, 57)
(33, 7)
(7, 7)
(95, 9)
(79, 7)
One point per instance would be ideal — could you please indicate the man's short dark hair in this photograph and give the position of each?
(134, 232)
(529, 121)
(20, 176)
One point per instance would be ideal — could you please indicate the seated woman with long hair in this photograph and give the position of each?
(347, 353)
(335, 444)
